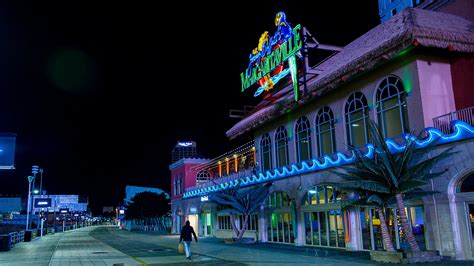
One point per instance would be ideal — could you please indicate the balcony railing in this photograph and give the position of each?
(219, 180)
(443, 122)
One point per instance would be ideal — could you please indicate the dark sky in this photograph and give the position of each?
(99, 93)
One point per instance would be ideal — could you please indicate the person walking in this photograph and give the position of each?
(186, 234)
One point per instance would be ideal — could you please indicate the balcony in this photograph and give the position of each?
(229, 166)
(443, 122)
(220, 180)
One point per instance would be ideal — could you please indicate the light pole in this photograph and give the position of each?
(41, 181)
(30, 180)
(34, 171)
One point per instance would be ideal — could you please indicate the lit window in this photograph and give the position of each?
(203, 176)
(266, 150)
(281, 141)
(392, 107)
(356, 114)
(325, 133)
(303, 139)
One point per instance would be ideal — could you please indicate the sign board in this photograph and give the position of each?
(193, 210)
(267, 63)
(63, 210)
(205, 198)
(121, 212)
(42, 203)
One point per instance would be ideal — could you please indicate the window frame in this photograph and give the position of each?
(323, 113)
(281, 135)
(303, 125)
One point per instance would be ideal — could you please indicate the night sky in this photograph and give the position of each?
(100, 93)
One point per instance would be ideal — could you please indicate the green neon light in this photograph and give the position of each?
(285, 51)
(294, 75)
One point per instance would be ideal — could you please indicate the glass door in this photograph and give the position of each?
(325, 228)
(470, 210)
(206, 224)
(280, 228)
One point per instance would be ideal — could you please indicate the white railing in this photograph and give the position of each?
(443, 122)
(233, 176)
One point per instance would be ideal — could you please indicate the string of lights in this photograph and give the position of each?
(246, 148)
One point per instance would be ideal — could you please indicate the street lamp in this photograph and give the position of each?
(41, 181)
(34, 171)
(30, 180)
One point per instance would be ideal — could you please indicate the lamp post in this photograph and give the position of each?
(41, 181)
(34, 171)
(30, 180)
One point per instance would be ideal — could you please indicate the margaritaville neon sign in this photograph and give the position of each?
(266, 62)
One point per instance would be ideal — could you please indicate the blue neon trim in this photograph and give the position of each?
(462, 131)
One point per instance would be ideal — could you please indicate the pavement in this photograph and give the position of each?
(108, 245)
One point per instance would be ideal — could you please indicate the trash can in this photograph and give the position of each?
(5, 242)
(28, 235)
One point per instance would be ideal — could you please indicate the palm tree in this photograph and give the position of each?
(369, 188)
(392, 176)
(243, 201)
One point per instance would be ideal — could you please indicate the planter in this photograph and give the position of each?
(405, 257)
(5, 242)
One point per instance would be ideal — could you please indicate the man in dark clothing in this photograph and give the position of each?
(186, 234)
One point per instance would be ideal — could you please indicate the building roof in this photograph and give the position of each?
(412, 27)
(183, 161)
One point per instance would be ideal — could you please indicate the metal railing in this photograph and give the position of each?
(443, 122)
(233, 176)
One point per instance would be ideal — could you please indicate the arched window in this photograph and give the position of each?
(266, 150)
(322, 195)
(281, 142)
(178, 185)
(357, 119)
(202, 176)
(325, 134)
(392, 107)
(467, 185)
(303, 139)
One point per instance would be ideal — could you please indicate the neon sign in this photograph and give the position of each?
(185, 144)
(266, 62)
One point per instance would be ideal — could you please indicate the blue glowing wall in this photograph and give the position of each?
(7, 150)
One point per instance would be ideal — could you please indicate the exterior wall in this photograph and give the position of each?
(462, 69)
(447, 227)
(407, 69)
(8, 205)
(462, 8)
(386, 7)
(436, 89)
(187, 169)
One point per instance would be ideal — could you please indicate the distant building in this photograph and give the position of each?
(73, 203)
(131, 191)
(389, 8)
(9, 205)
(183, 149)
(107, 209)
